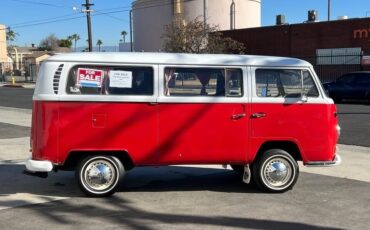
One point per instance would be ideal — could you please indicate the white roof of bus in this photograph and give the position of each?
(178, 59)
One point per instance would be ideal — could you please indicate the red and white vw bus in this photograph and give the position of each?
(101, 114)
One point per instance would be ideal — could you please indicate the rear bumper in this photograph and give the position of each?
(337, 161)
(39, 166)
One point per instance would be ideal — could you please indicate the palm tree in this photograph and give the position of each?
(124, 33)
(10, 35)
(99, 43)
(74, 37)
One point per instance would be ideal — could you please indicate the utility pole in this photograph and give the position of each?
(328, 10)
(87, 11)
(205, 14)
(131, 42)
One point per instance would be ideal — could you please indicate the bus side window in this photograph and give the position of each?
(111, 80)
(215, 82)
(234, 79)
(285, 83)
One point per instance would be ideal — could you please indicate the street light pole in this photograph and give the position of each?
(328, 10)
(87, 11)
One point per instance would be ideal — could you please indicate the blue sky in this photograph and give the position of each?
(112, 16)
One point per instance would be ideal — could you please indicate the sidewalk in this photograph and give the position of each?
(29, 85)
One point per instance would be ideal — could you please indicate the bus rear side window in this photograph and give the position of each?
(219, 82)
(110, 80)
(285, 83)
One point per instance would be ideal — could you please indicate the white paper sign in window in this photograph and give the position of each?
(120, 79)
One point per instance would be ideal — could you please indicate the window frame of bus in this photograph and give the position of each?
(71, 80)
(226, 76)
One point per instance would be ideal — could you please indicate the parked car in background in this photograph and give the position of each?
(355, 85)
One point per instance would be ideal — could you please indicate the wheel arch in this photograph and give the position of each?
(75, 157)
(289, 146)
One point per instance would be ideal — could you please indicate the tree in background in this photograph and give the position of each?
(196, 37)
(75, 38)
(65, 43)
(99, 43)
(11, 35)
(124, 34)
(50, 43)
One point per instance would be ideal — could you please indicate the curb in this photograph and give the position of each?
(18, 85)
(12, 86)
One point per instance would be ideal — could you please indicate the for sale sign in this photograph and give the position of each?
(89, 77)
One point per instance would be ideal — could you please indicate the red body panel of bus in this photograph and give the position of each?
(181, 133)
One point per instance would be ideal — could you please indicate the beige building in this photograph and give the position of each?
(151, 16)
(33, 61)
(3, 51)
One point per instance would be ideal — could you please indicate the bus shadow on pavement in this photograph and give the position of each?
(116, 212)
(150, 179)
(180, 197)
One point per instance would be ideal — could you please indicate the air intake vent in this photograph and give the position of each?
(57, 78)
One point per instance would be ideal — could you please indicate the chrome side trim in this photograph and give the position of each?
(39, 166)
(337, 161)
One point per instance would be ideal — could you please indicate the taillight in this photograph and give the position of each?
(338, 130)
(31, 141)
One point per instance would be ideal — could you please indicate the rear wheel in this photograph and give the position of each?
(99, 176)
(275, 171)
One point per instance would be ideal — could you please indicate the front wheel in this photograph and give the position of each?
(275, 171)
(99, 176)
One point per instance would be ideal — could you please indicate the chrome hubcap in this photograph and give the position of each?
(277, 173)
(100, 175)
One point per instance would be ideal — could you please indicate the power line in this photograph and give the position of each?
(68, 15)
(41, 3)
(53, 20)
(108, 15)
(41, 20)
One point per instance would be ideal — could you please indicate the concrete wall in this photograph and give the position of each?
(151, 16)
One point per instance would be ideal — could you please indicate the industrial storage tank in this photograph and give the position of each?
(151, 16)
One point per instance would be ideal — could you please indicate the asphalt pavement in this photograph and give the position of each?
(16, 97)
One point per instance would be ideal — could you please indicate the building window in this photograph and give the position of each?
(340, 56)
(203, 82)
(112, 80)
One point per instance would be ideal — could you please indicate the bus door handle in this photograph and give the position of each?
(258, 115)
(238, 116)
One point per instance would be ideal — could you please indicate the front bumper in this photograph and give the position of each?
(337, 161)
(39, 166)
